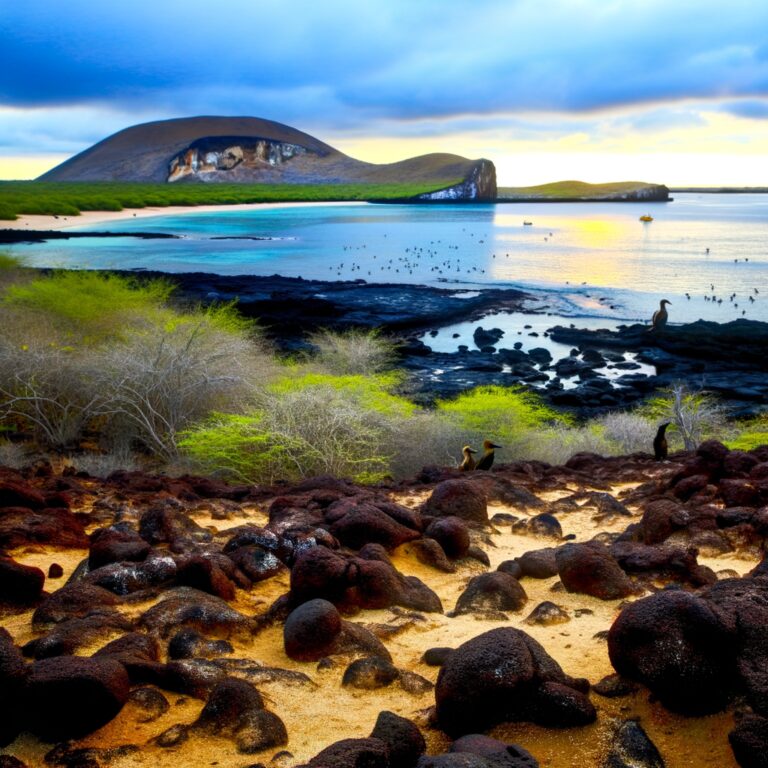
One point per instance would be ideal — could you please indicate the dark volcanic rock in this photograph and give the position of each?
(494, 591)
(505, 675)
(589, 569)
(68, 697)
(311, 630)
(357, 524)
(457, 498)
(452, 535)
(370, 673)
(13, 674)
(74, 600)
(353, 753)
(675, 644)
(539, 563)
(235, 710)
(547, 613)
(189, 644)
(749, 741)
(631, 748)
(19, 584)
(113, 545)
(20, 526)
(403, 738)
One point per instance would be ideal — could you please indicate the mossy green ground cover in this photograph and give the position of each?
(68, 199)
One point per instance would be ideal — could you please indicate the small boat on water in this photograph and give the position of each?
(646, 217)
(527, 223)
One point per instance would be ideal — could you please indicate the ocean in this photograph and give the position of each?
(706, 253)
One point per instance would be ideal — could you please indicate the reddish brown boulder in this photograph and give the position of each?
(356, 524)
(20, 526)
(353, 753)
(19, 584)
(18, 494)
(505, 675)
(69, 696)
(311, 630)
(589, 569)
(457, 498)
(660, 520)
(451, 534)
(115, 545)
(494, 591)
(738, 493)
(674, 643)
(13, 674)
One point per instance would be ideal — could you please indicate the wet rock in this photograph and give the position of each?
(187, 607)
(99, 686)
(631, 748)
(539, 563)
(19, 584)
(192, 677)
(401, 736)
(749, 741)
(662, 562)
(370, 673)
(256, 563)
(311, 630)
(127, 577)
(415, 684)
(115, 545)
(505, 675)
(546, 614)
(589, 569)
(451, 533)
(236, 710)
(71, 756)
(74, 600)
(353, 753)
(675, 644)
(188, 644)
(13, 674)
(148, 704)
(457, 498)
(494, 591)
(68, 636)
(20, 526)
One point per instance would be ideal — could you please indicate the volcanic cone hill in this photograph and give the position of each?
(255, 151)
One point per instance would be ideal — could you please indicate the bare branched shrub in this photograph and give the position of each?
(104, 464)
(49, 387)
(694, 414)
(157, 384)
(352, 352)
(627, 431)
(12, 455)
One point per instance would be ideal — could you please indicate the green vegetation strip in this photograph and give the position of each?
(69, 199)
(568, 190)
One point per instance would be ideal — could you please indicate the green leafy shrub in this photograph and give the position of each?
(305, 425)
(750, 434)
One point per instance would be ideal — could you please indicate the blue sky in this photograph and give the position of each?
(593, 89)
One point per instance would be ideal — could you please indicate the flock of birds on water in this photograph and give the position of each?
(415, 256)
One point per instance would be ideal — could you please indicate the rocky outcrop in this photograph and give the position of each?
(211, 158)
(479, 185)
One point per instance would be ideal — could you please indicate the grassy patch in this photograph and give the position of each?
(69, 198)
(568, 190)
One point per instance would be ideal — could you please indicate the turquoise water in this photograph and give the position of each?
(580, 260)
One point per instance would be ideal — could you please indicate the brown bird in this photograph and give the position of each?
(469, 462)
(660, 316)
(486, 461)
(660, 447)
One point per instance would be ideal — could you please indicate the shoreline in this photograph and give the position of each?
(89, 218)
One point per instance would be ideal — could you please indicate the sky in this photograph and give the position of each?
(666, 91)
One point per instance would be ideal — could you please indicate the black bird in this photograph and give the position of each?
(660, 447)
(486, 461)
(469, 462)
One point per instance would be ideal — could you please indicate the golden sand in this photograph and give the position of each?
(322, 712)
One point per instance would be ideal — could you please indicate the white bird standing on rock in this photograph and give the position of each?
(660, 316)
